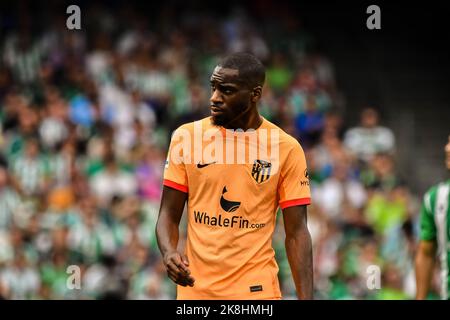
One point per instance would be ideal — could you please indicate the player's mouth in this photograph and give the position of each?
(215, 111)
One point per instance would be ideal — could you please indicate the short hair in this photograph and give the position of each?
(251, 69)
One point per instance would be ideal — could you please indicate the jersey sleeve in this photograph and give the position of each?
(427, 225)
(293, 189)
(175, 170)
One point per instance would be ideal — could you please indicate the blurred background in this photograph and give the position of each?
(86, 116)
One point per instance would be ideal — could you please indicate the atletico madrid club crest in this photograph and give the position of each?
(261, 170)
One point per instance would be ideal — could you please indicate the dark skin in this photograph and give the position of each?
(425, 260)
(299, 250)
(233, 102)
(234, 106)
(176, 263)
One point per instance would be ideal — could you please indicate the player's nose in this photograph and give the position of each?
(216, 98)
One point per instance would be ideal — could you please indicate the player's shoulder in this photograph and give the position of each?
(287, 141)
(429, 197)
(431, 192)
(204, 123)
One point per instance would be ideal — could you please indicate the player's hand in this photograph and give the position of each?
(177, 268)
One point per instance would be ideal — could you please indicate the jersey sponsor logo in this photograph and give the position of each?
(226, 205)
(239, 222)
(220, 221)
(305, 182)
(261, 170)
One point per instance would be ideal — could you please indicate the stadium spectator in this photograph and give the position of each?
(370, 137)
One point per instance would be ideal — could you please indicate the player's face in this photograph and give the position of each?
(229, 96)
(447, 153)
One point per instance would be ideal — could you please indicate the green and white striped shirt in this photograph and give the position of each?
(435, 226)
(9, 202)
(31, 173)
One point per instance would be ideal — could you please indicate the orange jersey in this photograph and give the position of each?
(233, 199)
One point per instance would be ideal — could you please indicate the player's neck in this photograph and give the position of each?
(251, 120)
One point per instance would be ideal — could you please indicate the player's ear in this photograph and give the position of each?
(256, 93)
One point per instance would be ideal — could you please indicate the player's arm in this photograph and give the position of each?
(425, 255)
(425, 259)
(167, 234)
(299, 249)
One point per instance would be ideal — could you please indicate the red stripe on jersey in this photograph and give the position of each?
(295, 202)
(175, 185)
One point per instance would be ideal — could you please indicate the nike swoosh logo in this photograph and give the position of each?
(199, 165)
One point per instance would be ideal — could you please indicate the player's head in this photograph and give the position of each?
(236, 86)
(447, 153)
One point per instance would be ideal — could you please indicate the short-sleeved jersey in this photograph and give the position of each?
(435, 226)
(233, 198)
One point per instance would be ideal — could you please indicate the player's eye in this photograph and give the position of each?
(227, 90)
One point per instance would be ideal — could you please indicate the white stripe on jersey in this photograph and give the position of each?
(441, 223)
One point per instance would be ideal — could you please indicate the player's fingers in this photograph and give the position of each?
(173, 268)
(178, 281)
(172, 276)
(181, 278)
(186, 281)
(179, 274)
(183, 267)
(190, 281)
(185, 259)
(177, 278)
(177, 260)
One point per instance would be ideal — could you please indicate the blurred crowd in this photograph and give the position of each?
(86, 117)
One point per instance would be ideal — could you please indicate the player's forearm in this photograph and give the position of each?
(170, 212)
(299, 253)
(167, 234)
(424, 271)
